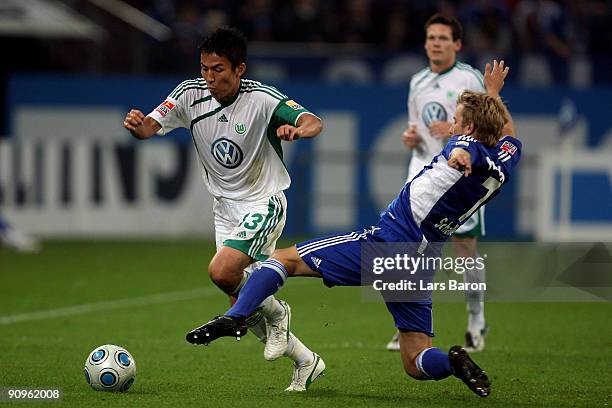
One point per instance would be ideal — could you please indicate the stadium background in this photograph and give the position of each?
(134, 218)
(70, 82)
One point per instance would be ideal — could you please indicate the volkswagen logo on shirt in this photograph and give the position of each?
(227, 153)
(432, 112)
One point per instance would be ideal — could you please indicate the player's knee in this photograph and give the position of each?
(221, 275)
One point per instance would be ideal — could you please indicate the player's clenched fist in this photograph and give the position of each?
(461, 160)
(288, 133)
(133, 119)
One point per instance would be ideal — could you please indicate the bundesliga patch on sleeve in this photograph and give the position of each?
(294, 105)
(508, 147)
(165, 107)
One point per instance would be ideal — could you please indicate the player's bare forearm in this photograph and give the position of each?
(139, 125)
(309, 125)
(494, 81)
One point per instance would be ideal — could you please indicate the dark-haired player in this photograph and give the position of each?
(237, 126)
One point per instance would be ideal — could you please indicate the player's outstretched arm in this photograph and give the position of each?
(494, 81)
(139, 125)
(308, 125)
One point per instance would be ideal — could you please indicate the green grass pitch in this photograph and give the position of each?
(145, 295)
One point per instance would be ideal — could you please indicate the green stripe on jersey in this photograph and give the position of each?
(203, 88)
(204, 116)
(185, 85)
(182, 85)
(204, 99)
(262, 90)
(469, 68)
(274, 124)
(422, 72)
(421, 79)
(248, 84)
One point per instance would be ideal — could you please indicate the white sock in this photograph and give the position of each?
(476, 322)
(475, 300)
(298, 352)
(257, 325)
(271, 308)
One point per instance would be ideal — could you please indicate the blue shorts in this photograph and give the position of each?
(338, 259)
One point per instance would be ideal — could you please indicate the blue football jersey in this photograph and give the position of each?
(439, 199)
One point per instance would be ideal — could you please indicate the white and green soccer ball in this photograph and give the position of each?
(110, 368)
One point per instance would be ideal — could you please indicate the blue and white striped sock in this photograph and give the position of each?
(434, 364)
(265, 281)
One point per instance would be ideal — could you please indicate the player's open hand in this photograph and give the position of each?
(410, 137)
(288, 133)
(494, 76)
(440, 130)
(461, 160)
(133, 120)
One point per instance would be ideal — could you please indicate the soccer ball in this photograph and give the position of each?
(110, 368)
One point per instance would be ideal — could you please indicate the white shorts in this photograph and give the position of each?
(251, 227)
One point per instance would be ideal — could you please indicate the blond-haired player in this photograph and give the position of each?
(432, 102)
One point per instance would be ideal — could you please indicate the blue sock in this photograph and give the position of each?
(263, 282)
(434, 364)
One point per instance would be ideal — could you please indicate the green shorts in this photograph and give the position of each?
(474, 226)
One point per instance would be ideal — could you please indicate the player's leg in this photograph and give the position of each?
(255, 228)
(414, 323)
(267, 280)
(247, 231)
(465, 245)
(226, 269)
(260, 227)
(414, 167)
(263, 283)
(311, 258)
(424, 362)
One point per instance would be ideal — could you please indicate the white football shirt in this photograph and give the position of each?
(433, 97)
(235, 142)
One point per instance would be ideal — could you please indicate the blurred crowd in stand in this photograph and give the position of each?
(547, 42)
(555, 32)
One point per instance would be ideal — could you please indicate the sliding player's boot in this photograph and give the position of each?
(468, 371)
(220, 326)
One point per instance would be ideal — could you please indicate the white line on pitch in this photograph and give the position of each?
(167, 297)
